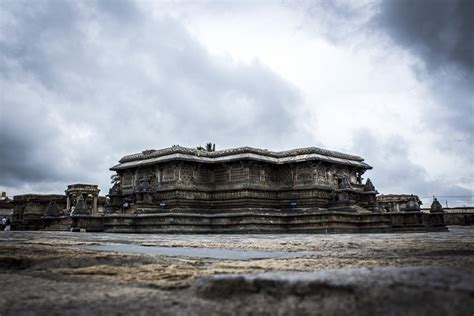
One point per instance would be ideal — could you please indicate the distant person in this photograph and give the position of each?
(4, 222)
(7, 224)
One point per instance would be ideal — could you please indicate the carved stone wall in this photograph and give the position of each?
(31, 207)
(234, 184)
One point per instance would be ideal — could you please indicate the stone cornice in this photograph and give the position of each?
(235, 151)
(148, 157)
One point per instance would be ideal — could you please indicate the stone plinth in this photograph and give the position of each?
(262, 221)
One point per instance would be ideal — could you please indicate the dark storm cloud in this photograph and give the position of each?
(440, 32)
(439, 35)
(84, 83)
(26, 32)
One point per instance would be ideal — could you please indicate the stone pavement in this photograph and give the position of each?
(412, 273)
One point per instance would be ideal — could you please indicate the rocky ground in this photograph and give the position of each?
(358, 274)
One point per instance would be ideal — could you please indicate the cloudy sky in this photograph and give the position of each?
(83, 83)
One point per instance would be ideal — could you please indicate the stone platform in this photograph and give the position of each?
(59, 273)
(252, 221)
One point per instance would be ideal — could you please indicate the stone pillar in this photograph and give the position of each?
(94, 207)
(68, 204)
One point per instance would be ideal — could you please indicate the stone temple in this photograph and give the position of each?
(240, 190)
(187, 179)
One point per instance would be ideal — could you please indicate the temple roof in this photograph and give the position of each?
(148, 157)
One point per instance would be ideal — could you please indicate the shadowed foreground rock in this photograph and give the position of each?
(60, 273)
(379, 291)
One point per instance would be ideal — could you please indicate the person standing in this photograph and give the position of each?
(7, 224)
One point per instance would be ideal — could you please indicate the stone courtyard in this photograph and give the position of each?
(82, 273)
